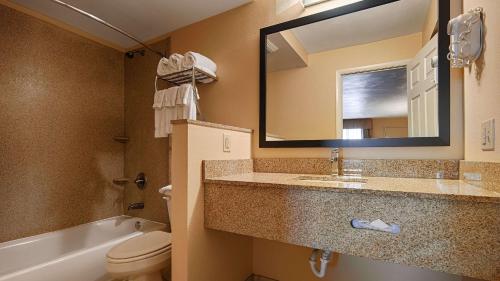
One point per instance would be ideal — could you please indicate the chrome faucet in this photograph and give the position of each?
(135, 206)
(334, 159)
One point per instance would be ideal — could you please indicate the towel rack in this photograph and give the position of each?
(191, 75)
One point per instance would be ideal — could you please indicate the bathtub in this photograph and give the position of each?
(72, 254)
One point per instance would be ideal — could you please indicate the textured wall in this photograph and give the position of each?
(481, 86)
(144, 153)
(62, 102)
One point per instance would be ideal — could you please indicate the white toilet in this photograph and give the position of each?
(142, 258)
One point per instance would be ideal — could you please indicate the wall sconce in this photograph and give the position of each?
(466, 38)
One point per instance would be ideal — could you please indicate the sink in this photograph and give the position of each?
(332, 179)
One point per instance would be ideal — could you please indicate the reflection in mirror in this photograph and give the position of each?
(368, 74)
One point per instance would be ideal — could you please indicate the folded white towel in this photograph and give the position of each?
(171, 97)
(175, 62)
(158, 99)
(194, 59)
(162, 68)
(186, 102)
(165, 111)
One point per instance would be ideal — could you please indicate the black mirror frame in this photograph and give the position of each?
(443, 86)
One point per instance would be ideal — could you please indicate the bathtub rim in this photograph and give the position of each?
(37, 237)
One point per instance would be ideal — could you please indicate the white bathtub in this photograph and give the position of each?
(72, 254)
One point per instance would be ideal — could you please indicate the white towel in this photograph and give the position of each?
(200, 61)
(170, 65)
(186, 102)
(175, 62)
(162, 68)
(158, 99)
(165, 111)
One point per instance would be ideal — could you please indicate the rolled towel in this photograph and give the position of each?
(162, 68)
(175, 62)
(194, 59)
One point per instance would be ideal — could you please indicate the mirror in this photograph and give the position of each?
(373, 73)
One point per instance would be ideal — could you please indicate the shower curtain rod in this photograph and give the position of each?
(101, 21)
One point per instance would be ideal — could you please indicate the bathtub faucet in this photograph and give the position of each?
(135, 206)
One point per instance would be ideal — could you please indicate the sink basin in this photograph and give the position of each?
(332, 179)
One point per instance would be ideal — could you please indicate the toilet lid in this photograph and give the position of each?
(140, 245)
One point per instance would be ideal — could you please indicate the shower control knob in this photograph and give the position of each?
(141, 180)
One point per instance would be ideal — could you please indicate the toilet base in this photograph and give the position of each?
(153, 276)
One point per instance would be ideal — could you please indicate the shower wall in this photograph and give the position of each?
(62, 101)
(144, 153)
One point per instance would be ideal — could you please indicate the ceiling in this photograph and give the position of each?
(375, 94)
(383, 22)
(143, 19)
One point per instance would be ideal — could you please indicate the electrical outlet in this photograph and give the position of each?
(226, 143)
(488, 135)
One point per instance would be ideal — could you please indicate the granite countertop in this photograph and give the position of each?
(416, 187)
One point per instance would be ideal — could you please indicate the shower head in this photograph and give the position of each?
(131, 54)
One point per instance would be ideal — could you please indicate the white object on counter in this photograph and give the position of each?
(377, 224)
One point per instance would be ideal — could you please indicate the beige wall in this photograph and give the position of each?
(302, 101)
(232, 40)
(200, 254)
(62, 103)
(144, 152)
(397, 126)
(295, 45)
(482, 86)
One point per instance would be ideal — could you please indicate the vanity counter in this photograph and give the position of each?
(445, 225)
(422, 188)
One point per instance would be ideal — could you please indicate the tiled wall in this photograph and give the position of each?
(62, 103)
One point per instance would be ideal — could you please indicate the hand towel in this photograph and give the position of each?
(158, 99)
(186, 102)
(165, 111)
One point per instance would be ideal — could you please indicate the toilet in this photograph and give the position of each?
(141, 258)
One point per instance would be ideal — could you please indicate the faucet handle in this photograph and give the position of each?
(334, 157)
(141, 180)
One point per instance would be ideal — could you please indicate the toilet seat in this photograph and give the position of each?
(141, 247)
(146, 256)
(140, 267)
(140, 258)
